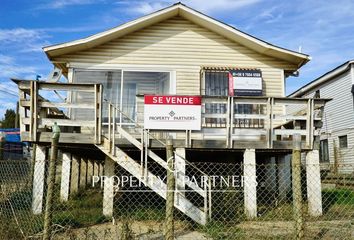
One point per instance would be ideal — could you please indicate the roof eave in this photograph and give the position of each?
(322, 79)
(298, 59)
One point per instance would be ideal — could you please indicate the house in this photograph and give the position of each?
(337, 132)
(174, 73)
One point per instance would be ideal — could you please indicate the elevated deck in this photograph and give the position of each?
(227, 122)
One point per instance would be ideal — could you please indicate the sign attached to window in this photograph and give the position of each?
(245, 82)
(172, 112)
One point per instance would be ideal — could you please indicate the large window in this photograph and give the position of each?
(343, 141)
(324, 156)
(121, 88)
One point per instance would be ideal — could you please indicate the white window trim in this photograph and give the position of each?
(130, 68)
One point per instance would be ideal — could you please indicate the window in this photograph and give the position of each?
(324, 156)
(317, 94)
(343, 141)
(216, 83)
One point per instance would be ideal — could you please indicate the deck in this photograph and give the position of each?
(85, 117)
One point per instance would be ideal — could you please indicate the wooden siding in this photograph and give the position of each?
(338, 117)
(181, 43)
(345, 156)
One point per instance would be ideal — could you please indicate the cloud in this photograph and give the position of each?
(59, 4)
(148, 6)
(23, 40)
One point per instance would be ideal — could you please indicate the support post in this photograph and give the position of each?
(89, 172)
(74, 178)
(250, 183)
(296, 180)
(38, 179)
(313, 178)
(50, 183)
(180, 169)
(83, 172)
(170, 195)
(65, 177)
(284, 178)
(108, 187)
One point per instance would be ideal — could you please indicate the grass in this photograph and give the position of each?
(218, 230)
(84, 209)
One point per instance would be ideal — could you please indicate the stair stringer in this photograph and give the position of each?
(155, 184)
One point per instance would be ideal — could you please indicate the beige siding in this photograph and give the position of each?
(178, 42)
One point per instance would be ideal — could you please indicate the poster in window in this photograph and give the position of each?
(245, 82)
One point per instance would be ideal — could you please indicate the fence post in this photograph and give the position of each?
(2, 145)
(50, 183)
(296, 179)
(169, 224)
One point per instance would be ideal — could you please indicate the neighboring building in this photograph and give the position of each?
(337, 132)
(13, 148)
(233, 101)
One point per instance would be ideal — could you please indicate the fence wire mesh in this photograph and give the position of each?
(101, 199)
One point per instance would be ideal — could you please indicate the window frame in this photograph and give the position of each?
(341, 143)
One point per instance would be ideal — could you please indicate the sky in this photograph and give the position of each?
(322, 29)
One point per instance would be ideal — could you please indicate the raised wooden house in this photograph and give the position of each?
(174, 51)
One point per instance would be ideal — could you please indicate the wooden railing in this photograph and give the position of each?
(227, 122)
(67, 106)
(260, 122)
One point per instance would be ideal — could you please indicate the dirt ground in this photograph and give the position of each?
(151, 230)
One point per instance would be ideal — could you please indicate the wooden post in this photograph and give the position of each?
(169, 223)
(50, 183)
(296, 180)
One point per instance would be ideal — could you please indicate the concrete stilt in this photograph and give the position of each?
(313, 180)
(271, 177)
(250, 183)
(65, 177)
(38, 179)
(83, 173)
(95, 169)
(74, 178)
(108, 189)
(89, 172)
(284, 177)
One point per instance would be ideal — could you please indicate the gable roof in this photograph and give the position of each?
(328, 76)
(190, 14)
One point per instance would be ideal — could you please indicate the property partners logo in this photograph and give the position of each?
(215, 183)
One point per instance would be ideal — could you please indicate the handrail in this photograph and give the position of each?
(207, 187)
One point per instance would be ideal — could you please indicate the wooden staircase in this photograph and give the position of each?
(147, 177)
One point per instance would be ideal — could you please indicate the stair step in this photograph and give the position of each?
(183, 204)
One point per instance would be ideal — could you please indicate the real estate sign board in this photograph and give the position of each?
(245, 82)
(163, 112)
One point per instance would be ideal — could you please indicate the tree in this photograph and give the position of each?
(9, 120)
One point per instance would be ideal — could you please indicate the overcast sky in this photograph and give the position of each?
(322, 29)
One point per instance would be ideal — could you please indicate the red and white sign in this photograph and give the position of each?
(172, 112)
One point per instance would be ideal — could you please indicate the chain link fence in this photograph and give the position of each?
(100, 199)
